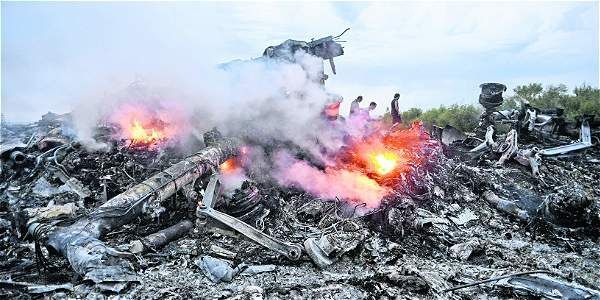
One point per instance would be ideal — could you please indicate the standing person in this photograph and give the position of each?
(354, 106)
(372, 107)
(395, 111)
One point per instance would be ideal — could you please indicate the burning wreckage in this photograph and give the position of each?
(511, 210)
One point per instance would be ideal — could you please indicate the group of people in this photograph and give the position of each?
(394, 111)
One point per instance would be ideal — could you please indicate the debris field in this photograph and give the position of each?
(511, 210)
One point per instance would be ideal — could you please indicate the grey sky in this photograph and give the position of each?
(54, 55)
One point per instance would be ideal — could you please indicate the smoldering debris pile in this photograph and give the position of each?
(128, 221)
(511, 210)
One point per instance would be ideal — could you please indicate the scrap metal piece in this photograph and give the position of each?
(547, 287)
(78, 188)
(329, 248)
(218, 270)
(530, 118)
(464, 217)
(48, 213)
(246, 204)
(450, 135)
(212, 192)
(222, 252)
(491, 95)
(17, 157)
(476, 283)
(252, 270)
(326, 48)
(506, 206)
(291, 251)
(570, 206)
(508, 148)
(332, 65)
(489, 140)
(160, 238)
(72, 184)
(319, 251)
(585, 141)
(530, 157)
(463, 251)
(37, 288)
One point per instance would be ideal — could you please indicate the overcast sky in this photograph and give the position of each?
(55, 54)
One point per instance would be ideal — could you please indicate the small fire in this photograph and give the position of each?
(351, 185)
(228, 166)
(232, 173)
(149, 126)
(141, 135)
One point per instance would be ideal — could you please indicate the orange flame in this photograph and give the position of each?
(228, 166)
(384, 163)
(149, 125)
(366, 170)
(141, 135)
(388, 155)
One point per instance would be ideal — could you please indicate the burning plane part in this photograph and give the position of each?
(367, 169)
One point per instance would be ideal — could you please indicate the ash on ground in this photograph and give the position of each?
(470, 220)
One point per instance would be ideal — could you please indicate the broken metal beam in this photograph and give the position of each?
(585, 141)
(205, 211)
(80, 242)
(161, 238)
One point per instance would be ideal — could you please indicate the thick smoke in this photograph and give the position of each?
(267, 102)
(330, 183)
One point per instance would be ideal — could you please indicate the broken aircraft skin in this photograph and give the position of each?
(548, 126)
(154, 223)
(326, 48)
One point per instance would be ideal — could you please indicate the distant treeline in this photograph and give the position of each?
(583, 100)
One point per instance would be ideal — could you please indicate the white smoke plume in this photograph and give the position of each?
(266, 101)
(272, 104)
(257, 98)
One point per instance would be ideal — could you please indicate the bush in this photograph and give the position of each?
(463, 117)
(412, 114)
(584, 100)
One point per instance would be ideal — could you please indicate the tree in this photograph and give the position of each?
(584, 100)
(553, 96)
(411, 115)
(463, 117)
(530, 92)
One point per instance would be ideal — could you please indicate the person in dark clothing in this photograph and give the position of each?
(395, 111)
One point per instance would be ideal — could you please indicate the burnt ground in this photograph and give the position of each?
(415, 246)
